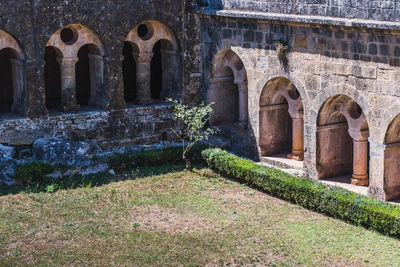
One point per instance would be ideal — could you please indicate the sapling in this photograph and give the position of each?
(194, 125)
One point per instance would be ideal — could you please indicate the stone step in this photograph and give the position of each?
(281, 161)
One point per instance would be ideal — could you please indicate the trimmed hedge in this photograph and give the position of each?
(169, 155)
(335, 202)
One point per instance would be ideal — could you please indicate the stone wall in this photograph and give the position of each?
(33, 23)
(111, 129)
(324, 61)
(360, 9)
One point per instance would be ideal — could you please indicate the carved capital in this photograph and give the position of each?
(143, 57)
(67, 61)
(95, 57)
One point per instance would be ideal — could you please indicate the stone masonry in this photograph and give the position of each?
(315, 81)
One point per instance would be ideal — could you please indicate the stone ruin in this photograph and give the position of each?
(99, 73)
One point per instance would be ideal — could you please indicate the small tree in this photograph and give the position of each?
(194, 125)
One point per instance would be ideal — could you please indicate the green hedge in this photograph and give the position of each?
(169, 155)
(335, 202)
(32, 173)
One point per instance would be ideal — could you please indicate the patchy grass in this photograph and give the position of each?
(169, 217)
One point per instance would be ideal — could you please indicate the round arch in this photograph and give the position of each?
(391, 159)
(79, 54)
(12, 86)
(281, 119)
(228, 90)
(80, 36)
(154, 31)
(7, 41)
(156, 60)
(342, 140)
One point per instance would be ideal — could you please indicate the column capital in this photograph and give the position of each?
(143, 57)
(242, 86)
(359, 135)
(68, 61)
(95, 57)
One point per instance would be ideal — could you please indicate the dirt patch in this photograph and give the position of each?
(158, 219)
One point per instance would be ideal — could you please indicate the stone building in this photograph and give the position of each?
(313, 81)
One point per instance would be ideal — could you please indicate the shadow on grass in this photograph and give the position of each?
(93, 180)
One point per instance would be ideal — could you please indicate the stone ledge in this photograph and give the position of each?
(345, 22)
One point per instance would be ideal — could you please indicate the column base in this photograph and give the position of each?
(71, 108)
(360, 180)
(296, 157)
(144, 101)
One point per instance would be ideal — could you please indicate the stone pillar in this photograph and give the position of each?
(360, 163)
(169, 73)
(143, 76)
(17, 69)
(297, 138)
(68, 83)
(243, 104)
(96, 64)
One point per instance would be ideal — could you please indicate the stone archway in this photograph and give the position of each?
(12, 86)
(157, 62)
(391, 160)
(80, 55)
(228, 90)
(342, 140)
(281, 120)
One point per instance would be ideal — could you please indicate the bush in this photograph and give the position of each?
(32, 173)
(169, 155)
(335, 202)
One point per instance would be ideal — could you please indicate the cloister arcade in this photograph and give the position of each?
(332, 137)
(74, 69)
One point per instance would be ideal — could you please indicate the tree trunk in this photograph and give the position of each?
(188, 165)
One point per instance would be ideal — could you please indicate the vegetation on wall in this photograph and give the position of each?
(282, 50)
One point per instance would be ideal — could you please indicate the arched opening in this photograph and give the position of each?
(85, 73)
(225, 94)
(392, 159)
(80, 55)
(281, 120)
(52, 78)
(158, 63)
(129, 71)
(156, 72)
(228, 90)
(6, 80)
(163, 70)
(342, 141)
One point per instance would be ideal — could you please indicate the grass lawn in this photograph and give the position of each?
(178, 218)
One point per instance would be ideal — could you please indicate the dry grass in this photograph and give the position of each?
(179, 218)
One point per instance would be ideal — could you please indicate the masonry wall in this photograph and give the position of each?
(33, 22)
(360, 9)
(324, 61)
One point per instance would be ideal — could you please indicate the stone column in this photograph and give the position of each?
(297, 138)
(243, 104)
(17, 69)
(360, 162)
(68, 83)
(169, 70)
(143, 76)
(96, 64)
